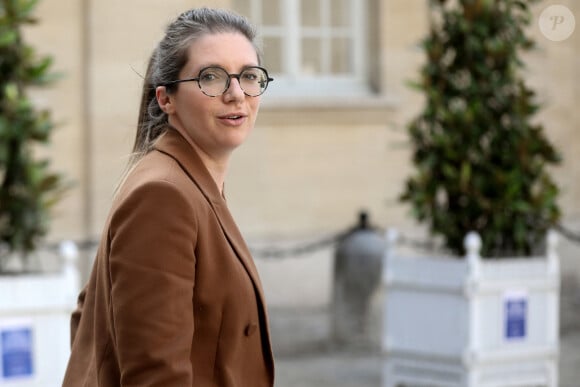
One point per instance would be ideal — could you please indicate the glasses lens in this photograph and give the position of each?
(213, 81)
(254, 81)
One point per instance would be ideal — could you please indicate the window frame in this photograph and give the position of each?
(291, 82)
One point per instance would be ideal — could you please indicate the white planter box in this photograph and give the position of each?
(35, 327)
(470, 322)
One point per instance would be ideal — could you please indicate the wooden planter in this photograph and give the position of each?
(471, 322)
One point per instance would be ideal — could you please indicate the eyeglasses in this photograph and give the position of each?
(214, 81)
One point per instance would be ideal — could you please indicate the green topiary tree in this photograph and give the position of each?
(481, 162)
(27, 187)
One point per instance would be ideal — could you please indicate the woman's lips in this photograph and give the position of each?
(233, 118)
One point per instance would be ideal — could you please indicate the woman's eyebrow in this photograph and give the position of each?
(223, 67)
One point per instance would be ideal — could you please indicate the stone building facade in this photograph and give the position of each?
(316, 157)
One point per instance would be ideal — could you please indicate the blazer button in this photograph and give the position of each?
(250, 329)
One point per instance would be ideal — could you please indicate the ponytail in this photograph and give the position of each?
(152, 121)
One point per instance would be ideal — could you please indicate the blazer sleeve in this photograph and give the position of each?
(152, 270)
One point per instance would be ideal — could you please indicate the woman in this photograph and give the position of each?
(174, 298)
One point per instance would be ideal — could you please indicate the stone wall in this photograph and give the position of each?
(310, 165)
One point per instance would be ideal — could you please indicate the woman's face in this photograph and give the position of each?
(217, 125)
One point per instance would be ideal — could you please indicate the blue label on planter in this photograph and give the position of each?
(516, 310)
(16, 347)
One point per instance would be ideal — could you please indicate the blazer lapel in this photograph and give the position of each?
(175, 146)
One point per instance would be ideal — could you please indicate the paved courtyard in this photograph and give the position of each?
(304, 357)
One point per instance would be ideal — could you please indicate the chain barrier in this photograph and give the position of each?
(82, 245)
(431, 245)
(418, 244)
(275, 252)
(332, 240)
(257, 252)
(402, 240)
(301, 249)
(572, 236)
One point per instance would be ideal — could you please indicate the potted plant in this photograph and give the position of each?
(482, 186)
(34, 306)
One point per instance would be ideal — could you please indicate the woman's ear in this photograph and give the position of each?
(164, 100)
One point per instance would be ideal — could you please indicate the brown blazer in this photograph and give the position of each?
(174, 298)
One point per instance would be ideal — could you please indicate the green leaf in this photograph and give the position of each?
(27, 185)
(465, 175)
(11, 92)
(8, 38)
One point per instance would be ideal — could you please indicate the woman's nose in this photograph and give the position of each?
(235, 86)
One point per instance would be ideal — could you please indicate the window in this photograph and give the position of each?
(312, 47)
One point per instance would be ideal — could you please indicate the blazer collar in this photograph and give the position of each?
(175, 146)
